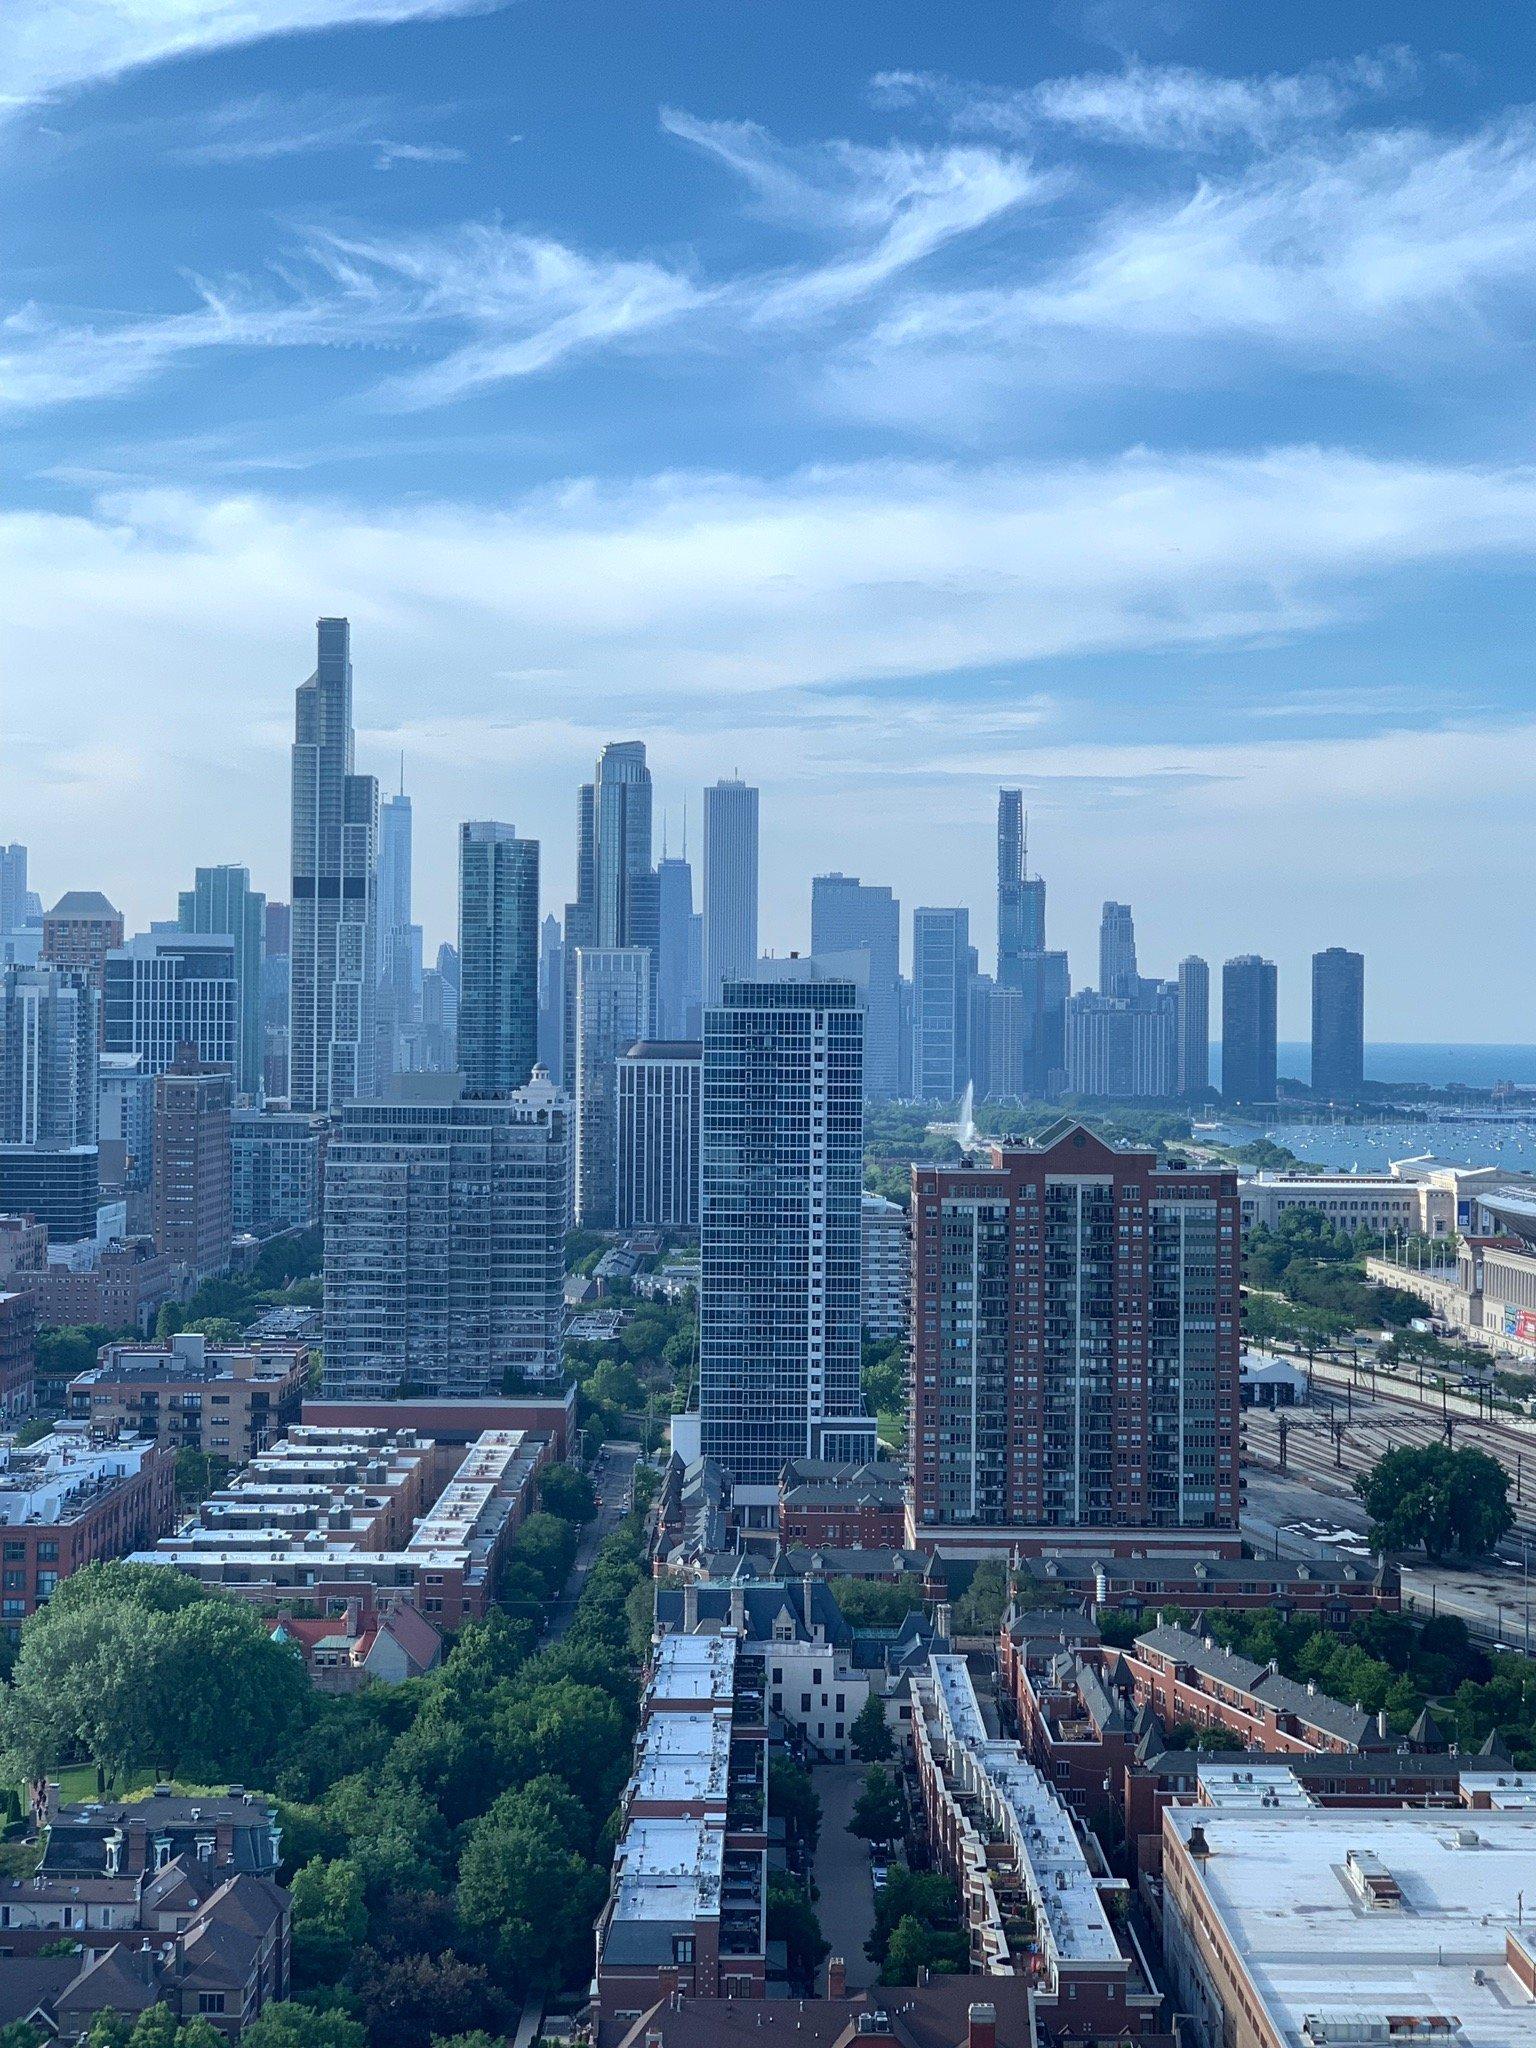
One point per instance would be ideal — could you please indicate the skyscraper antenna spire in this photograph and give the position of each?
(685, 828)
(663, 835)
(402, 771)
(1024, 849)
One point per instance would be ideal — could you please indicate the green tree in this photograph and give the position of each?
(870, 1733)
(792, 1920)
(526, 1886)
(793, 1799)
(198, 1473)
(330, 1919)
(914, 1947)
(568, 1493)
(871, 1603)
(1440, 1500)
(979, 1610)
(570, 1731)
(877, 1810)
(291, 2025)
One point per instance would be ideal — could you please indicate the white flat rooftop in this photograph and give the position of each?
(1310, 1945)
(1507, 1790)
(1241, 1788)
(685, 1757)
(699, 1668)
(669, 1870)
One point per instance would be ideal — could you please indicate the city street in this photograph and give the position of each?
(847, 1903)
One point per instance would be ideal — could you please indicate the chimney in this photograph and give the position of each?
(666, 1981)
(691, 1607)
(1381, 1722)
(837, 1977)
(941, 1618)
(738, 1610)
(805, 1606)
(1199, 1847)
(981, 2027)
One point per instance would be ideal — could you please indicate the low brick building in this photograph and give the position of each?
(823, 1504)
(18, 1361)
(73, 1499)
(228, 1401)
(116, 1286)
(687, 1913)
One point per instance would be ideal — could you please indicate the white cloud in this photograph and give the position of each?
(1385, 246)
(824, 630)
(47, 47)
(388, 154)
(1156, 106)
(491, 304)
(889, 207)
(830, 577)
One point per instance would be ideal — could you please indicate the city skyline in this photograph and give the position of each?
(774, 435)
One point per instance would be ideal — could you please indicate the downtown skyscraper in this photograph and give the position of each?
(1338, 1024)
(730, 885)
(781, 1181)
(847, 917)
(335, 862)
(498, 958)
(1248, 1027)
(222, 901)
(941, 1002)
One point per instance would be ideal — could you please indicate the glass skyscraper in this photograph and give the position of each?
(498, 957)
(781, 1182)
(730, 885)
(169, 989)
(847, 916)
(613, 1012)
(335, 862)
(1338, 1024)
(445, 1228)
(941, 1003)
(1248, 1022)
(221, 900)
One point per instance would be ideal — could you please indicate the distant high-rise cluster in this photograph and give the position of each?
(640, 1065)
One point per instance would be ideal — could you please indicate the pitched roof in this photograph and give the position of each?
(1209, 1659)
(1318, 1710)
(84, 903)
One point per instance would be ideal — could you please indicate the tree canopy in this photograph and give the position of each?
(1440, 1500)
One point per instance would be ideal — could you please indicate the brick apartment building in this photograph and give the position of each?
(857, 1506)
(18, 1361)
(228, 1401)
(686, 1916)
(119, 1285)
(191, 1192)
(69, 1500)
(1075, 1348)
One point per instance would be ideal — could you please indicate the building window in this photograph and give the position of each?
(210, 2001)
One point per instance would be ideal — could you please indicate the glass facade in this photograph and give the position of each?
(781, 1169)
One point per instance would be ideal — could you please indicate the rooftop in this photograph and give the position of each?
(684, 1758)
(1317, 1946)
(690, 1668)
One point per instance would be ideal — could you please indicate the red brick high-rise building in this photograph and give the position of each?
(1075, 1345)
(192, 1193)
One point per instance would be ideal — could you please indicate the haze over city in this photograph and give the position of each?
(885, 403)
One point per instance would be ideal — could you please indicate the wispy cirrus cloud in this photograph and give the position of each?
(264, 127)
(47, 48)
(490, 304)
(824, 577)
(888, 208)
(1157, 106)
(1384, 246)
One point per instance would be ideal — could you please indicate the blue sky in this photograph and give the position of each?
(1131, 401)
